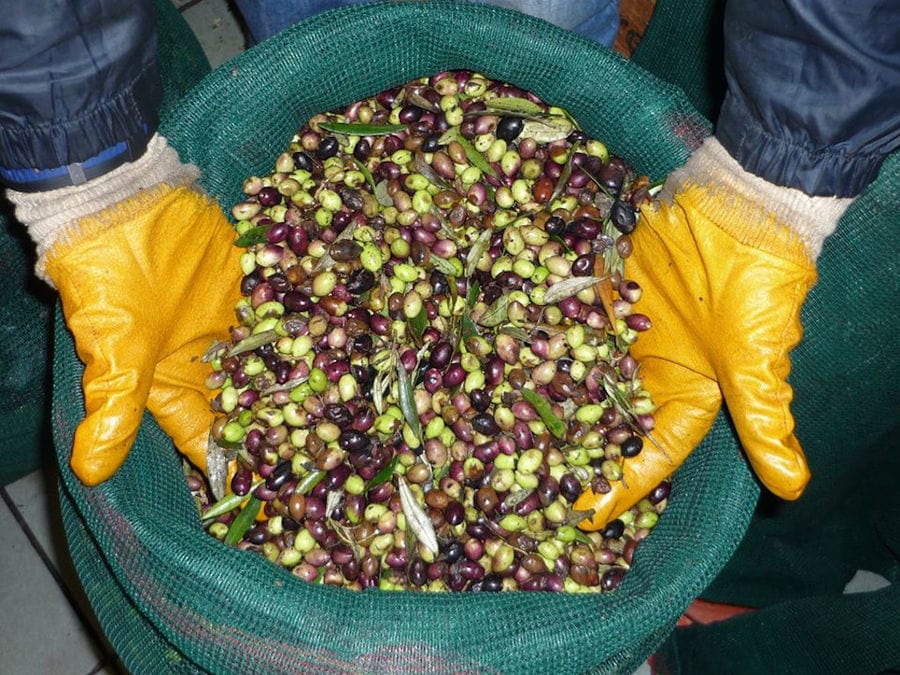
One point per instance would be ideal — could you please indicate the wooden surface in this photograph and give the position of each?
(633, 18)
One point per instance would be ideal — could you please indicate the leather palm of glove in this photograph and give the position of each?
(148, 277)
(725, 261)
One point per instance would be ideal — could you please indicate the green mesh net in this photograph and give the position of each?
(172, 599)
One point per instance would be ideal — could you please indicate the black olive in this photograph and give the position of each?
(623, 217)
(328, 147)
(508, 128)
(632, 446)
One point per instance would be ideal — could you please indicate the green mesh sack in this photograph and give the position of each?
(26, 303)
(172, 599)
(797, 557)
(25, 329)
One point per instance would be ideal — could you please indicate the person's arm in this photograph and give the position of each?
(727, 258)
(142, 259)
(79, 90)
(813, 91)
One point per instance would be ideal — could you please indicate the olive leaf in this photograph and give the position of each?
(251, 342)
(417, 99)
(564, 175)
(407, 401)
(216, 466)
(416, 518)
(576, 517)
(364, 170)
(381, 194)
(544, 410)
(442, 265)
(468, 329)
(515, 498)
(424, 168)
(243, 521)
(228, 503)
(357, 129)
(418, 324)
(568, 287)
(345, 534)
(513, 104)
(384, 474)
(496, 313)
(309, 481)
(517, 333)
(479, 246)
(582, 538)
(475, 158)
(255, 235)
(215, 349)
(548, 129)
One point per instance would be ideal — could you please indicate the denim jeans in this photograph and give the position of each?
(594, 19)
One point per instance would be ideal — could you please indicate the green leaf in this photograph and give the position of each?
(544, 410)
(472, 294)
(569, 287)
(468, 328)
(475, 158)
(364, 170)
(228, 503)
(479, 246)
(582, 538)
(514, 104)
(496, 313)
(309, 481)
(416, 518)
(384, 474)
(564, 175)
(355, 129)
(443, 265)
(407, 401)
(381, 194)
(243, 521)
(255, 235)
(418, 324)
(424, 168)
(548, 129)
(251, 342)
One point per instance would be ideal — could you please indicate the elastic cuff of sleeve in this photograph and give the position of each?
(52, 217)
(754, 211)
(785, 160)
(79, 173)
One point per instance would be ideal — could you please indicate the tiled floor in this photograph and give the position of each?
(46, 624)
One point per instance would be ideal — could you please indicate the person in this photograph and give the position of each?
(597, 20)
(740, 226)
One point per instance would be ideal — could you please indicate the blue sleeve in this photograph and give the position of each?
(813, 97)
(594, 19)
(79, 88)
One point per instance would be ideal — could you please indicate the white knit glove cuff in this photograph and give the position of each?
(812, 219)
(52, 216)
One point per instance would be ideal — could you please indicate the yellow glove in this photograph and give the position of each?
(148, 277)
(725, 262)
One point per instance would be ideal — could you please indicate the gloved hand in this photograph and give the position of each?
(148, 277)
(725, 262)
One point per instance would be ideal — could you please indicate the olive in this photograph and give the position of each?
(623, 217)
(509, 128)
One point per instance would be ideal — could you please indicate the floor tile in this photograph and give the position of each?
(864, 581)
(41, 630)
(216, 28)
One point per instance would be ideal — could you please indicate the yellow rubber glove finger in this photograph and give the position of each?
(724, 280)
(674, 367)
(146, 286)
